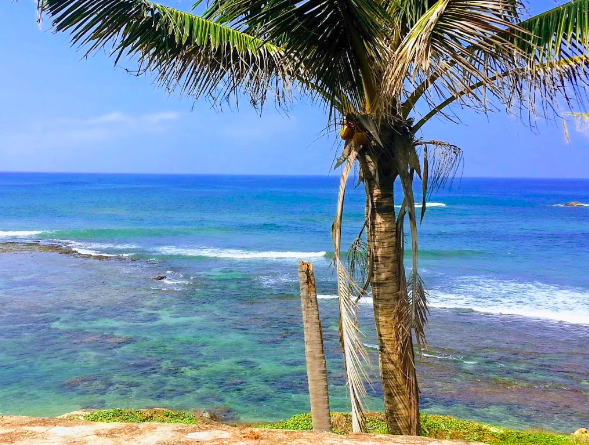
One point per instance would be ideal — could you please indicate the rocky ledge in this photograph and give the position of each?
(61, 431)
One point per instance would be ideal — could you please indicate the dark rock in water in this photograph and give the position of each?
(248, 364)
(78, 382)
(574, 204)
(103, 339)
(205, 415)
(223, 414)
(87, 385)
(160, 277)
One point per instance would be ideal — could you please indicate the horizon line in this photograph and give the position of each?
(299, 175)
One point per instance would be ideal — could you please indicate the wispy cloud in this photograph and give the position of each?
(77, 132)
(116, 117)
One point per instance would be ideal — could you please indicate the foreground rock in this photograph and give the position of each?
(16, 247)
(41, 431)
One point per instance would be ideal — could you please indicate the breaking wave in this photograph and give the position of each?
(236, 253)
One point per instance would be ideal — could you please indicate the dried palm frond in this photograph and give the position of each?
(441, 161)
(417, 299)
(357, 257)
(355, 354)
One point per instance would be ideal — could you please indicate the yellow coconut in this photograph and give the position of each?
(360, 138)
(347, 132)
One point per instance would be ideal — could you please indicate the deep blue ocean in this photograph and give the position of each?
(507, 268)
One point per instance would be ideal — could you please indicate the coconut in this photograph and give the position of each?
(347, 132)
(360, 139)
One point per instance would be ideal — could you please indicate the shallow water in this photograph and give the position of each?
(506, 269)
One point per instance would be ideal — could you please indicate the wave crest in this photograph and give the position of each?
(19, 233)
(236, 253)
(427, 204)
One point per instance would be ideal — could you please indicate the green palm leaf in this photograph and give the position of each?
(195, 54)
(456, 43)
(552, 64)
(561, 33)
(335, 42)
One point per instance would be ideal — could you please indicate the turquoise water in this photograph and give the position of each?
(506, 268)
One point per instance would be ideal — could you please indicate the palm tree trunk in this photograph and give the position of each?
(397, 367)
(315, 354)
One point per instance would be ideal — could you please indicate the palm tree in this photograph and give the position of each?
(383, 69)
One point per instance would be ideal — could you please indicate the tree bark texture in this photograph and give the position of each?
(315, 354)
(397, 366)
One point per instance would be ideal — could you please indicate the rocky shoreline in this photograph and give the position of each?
(36, 246)
(159, 426)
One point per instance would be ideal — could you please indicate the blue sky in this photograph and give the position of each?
(61, 113)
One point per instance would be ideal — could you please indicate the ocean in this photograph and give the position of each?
(505, 264)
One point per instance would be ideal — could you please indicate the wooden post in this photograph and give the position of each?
(314, 352)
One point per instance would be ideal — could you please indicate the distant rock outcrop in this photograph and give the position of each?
(574, 204)
(160, 277)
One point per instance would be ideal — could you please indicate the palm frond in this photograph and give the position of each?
(191, 53)
(357, 257)
(552, 80)
(561, 33)
(467, 35)
(581, 122)
(442, 162)
(552, 68)
(355, 355)
(333, 41)
(417, 303)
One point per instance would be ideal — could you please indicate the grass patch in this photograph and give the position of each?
(141, 416)
(439, 427)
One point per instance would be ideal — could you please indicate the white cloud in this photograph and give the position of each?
(116, 117)
(79, 133)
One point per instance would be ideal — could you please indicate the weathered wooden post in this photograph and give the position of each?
(314, 352)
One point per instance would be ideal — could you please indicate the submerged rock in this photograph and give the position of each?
(222, 414)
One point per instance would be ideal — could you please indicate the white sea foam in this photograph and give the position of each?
(327, 297)
(271, 280)
(83, 251)
(505, 297)
(535, 300)
(19, 233)
(428, 204)
(235, 253)
(366, 299)
(89, 248)
(441, 356)
(457, 358)
(171, 281)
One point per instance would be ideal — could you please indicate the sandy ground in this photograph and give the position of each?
(42, 431)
